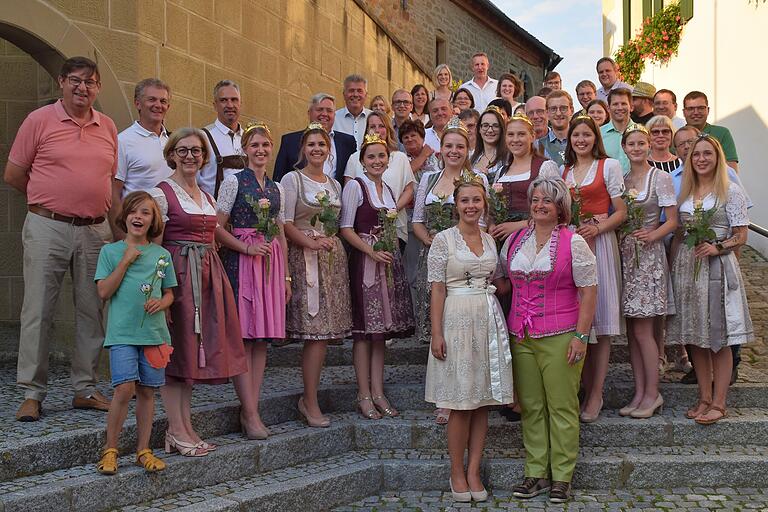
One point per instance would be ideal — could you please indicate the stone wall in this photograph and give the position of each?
(419, 24)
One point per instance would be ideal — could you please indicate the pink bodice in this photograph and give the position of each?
(184, 226)
(544, 303)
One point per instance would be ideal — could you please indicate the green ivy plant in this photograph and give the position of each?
(658, 41)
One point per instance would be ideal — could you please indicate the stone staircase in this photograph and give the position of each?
(50, 465)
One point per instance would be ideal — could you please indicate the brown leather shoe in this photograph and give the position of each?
(29, 410)
(93, 401)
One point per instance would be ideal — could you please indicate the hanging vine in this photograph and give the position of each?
(658, 41)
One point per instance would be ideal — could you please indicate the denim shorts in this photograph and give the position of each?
(127, 363)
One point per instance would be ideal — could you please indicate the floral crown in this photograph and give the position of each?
(456, 124)
(636, 127)
(253, 125)
(314, 125)
(521, 117)
(370, 139)
(469, 178)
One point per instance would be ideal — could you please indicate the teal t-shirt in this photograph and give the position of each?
(612, 144)
(722, 134)
(126, 307)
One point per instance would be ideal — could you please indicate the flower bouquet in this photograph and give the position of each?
(698, 230)
(148, 288)
(635, 220)
(265, 224)
(578, 216)
(328, 217)
(388, 236)
(439, 215)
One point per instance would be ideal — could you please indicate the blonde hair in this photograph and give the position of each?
(183, 133)
(661, 119)
(691, 178)
(438, 69)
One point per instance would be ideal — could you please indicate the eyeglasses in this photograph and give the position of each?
(488, 126)
(700, 109)
(182, 152)
(686, 143)
(89, 83)
(661, 131)
(539, 112)
(401, 103)
(563, 109)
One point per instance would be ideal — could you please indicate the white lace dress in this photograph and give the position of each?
(477, 370)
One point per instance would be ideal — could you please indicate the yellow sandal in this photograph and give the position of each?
(151, 463)
(108, 463)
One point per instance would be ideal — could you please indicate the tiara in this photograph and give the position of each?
(314, 125)
(581, 116)
(521, 117)
(636, 127)
(456, 124)
(372, 138)
(495, 109)
(253, 125)
(469, 178)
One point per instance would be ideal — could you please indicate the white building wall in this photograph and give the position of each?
(722, 53)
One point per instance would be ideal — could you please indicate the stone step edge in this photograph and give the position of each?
(322, 490)
(223, 418)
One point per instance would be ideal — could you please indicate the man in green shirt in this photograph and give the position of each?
(696, 110)
(620, 105)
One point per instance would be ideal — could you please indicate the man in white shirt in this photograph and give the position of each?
(608, 74)
(665, 104)
(482, 87)
(140, 161)
(352, 117)
(440, 113)
(224, 137)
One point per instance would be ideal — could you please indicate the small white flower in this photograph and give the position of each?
(497, 187)
(391, 214)
(160, 274)
(146, 288)
(632, 193)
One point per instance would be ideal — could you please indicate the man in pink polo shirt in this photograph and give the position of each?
(63, 160)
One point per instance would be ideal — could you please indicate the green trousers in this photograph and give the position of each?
(547, 389)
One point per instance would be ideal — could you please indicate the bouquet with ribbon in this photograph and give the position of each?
(578, 216)
(148, 288)
(635, 220)
(265, 224)
(698, 230)
(328, 218)
(387, 241)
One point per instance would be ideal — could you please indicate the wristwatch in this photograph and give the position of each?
(719, 247)
(584, 338)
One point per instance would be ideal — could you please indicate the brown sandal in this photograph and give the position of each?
(151, 464)
(108, 463)
(710, 421)
(691, 413)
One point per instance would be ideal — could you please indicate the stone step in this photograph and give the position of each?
(66, 437)
(341, 479)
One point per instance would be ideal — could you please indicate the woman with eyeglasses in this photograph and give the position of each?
(462, 100)
(490, 153)
(661, 130)
(205, 330)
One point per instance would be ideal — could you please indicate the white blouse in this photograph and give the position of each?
(527, 260)
(665, 188)
(352, 199)
(185, 200)
(228, 194)
(548, 169)
(425, 197)
(735, 207)
(612, 175)
(290, 183)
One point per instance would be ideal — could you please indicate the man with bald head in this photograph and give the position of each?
(536, 110)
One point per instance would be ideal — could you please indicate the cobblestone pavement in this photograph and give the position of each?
(696, 499)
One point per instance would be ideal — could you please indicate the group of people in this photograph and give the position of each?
(516, 239)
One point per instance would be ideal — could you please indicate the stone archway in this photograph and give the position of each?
(50, 37)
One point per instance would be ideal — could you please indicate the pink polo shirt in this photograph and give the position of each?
(70, 166)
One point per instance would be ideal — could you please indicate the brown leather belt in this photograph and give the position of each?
(75, 221)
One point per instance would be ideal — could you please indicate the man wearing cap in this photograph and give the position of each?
(642, 101)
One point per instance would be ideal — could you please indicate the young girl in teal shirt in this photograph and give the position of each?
(136, 276)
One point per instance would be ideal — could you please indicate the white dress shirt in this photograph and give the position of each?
(329, 167)
(227, 145)
(432, 139)
(140, 161)
(482, 95)
(347, 123)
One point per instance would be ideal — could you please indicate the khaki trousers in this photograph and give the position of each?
(51, 248)
(547, 389)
